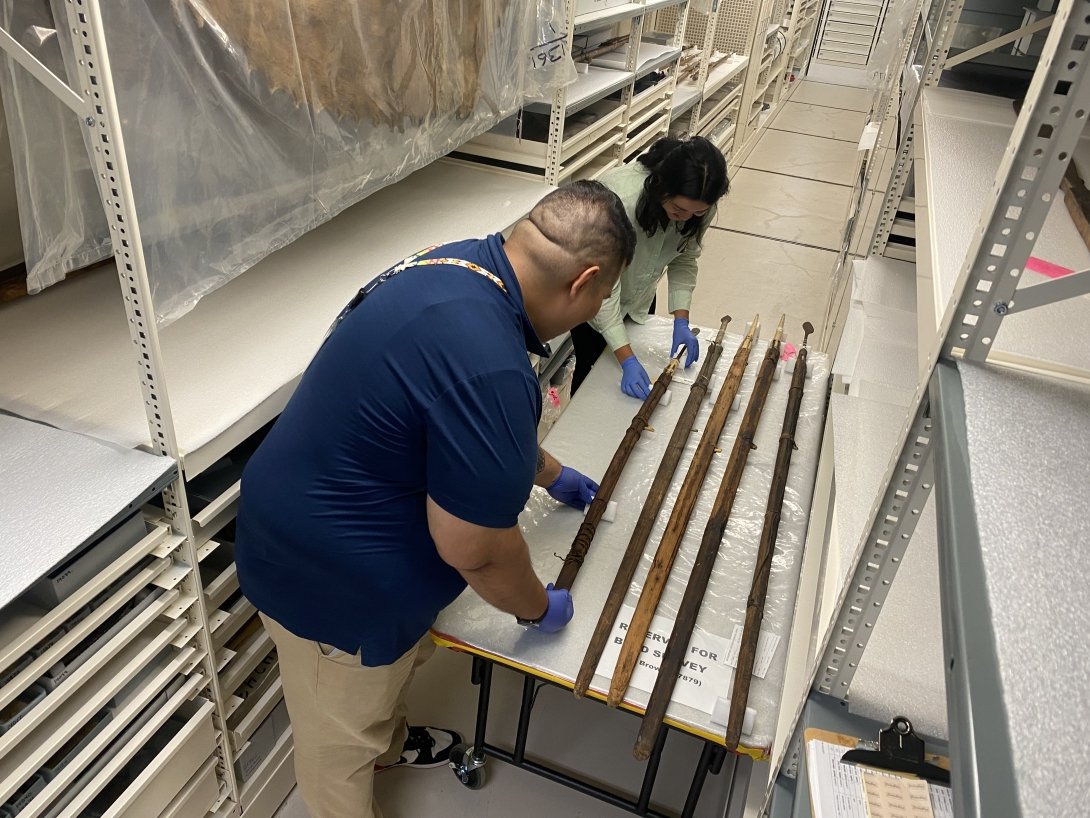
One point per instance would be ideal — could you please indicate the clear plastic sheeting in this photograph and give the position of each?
(11, 246)
(247, 124)
(62, 224)
(585, 438)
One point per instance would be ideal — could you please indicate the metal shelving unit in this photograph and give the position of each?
(996, 404)
(609, 114)
(231, 364)
(101, 655)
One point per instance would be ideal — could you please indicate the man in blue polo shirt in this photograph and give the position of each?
(396, 474)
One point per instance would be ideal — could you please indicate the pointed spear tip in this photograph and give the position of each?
(779, 326)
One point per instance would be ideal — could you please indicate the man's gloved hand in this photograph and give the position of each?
(559, 612)
(684, 335)
(634, 378)
(573, 488)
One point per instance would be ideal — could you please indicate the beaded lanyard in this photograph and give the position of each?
(412, 261)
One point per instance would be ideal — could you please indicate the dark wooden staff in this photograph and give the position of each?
(675, 528)
(701, 574)
(581, 544)
(755, 605)
(650, 511)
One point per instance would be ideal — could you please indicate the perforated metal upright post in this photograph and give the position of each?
(110, 162)
(558, 112)
(902, 166)
(1044, 138)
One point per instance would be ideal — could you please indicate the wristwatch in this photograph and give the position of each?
(532, 623)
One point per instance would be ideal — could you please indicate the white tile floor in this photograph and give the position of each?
(771, 251)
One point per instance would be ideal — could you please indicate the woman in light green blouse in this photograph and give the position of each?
(669, 193)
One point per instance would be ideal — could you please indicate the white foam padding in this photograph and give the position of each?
(57, 490)
(667, 396)
(777, 372)
(789, 366)
(609, 515)
(585, 437)
(1026, 437)
(237, 356)
(736, 402)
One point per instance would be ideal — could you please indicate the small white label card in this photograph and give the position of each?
(766, 649)
(704, 675)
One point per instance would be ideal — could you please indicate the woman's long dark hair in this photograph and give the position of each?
(693, 168)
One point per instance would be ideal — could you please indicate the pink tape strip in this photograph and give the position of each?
(1046, 268)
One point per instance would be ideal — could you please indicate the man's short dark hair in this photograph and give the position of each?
(589, 222)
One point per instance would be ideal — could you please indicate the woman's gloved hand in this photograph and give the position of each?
(684, 335)
(634, 378)
(573, 488)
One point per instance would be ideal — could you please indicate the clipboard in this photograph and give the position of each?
(837, 786)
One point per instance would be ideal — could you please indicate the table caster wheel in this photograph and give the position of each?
(473, 779)
(468, 770)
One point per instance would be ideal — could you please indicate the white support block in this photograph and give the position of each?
(722, 712)
(610, 513)
(666, 398)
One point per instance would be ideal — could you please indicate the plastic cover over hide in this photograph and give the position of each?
(248, 124)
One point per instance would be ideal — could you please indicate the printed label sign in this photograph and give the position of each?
(704, 675)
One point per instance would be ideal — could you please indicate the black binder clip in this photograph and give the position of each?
(899, 750)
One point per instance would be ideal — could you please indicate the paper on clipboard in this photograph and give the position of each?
(844, 790)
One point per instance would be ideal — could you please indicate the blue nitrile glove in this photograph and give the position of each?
(573, 488)
(560, 610)
(684, 335)
(634, 378)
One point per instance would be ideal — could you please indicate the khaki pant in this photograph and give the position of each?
(345, 718)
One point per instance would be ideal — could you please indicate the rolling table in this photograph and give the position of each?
(585, 437)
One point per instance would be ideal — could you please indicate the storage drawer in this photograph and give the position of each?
(251, 645)
(198, 796)
(261, 743)
(184, 745)
(24, 624)
(218, 575)
(74, 573)
(68, 741)
(227, 622)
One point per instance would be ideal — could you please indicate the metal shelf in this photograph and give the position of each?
(606, 17)
(1016, 609)
(963, 139)
(587, 89)
(45, 470)
(271, 319)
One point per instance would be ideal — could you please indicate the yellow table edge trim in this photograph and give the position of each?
(442, 641)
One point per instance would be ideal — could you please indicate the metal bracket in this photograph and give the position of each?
(1048, 292)
(58, 87)
(1044, 137)
(999, 42)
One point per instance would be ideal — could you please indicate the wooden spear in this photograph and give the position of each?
(675, 528)
(651, 506)
(701, 574)
(755, 605)
(581, 544)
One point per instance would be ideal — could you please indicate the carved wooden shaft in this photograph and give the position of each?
(655, 497)
(755, 605)
(581, 544)
(678, 645)
(675, 528)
